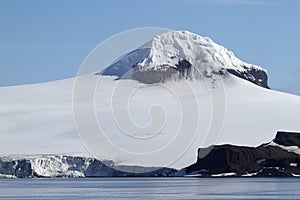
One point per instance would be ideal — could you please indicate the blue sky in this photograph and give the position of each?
(48, 40)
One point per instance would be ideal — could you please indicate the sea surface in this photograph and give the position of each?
(151, 188)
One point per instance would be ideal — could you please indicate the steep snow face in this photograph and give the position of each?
(198, 50)
(182, 54)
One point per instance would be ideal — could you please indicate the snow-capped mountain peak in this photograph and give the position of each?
(182, 54)
(195, 49)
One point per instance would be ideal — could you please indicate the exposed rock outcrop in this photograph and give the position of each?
(277, 158)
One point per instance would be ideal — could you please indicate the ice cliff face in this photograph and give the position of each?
(181, 54)
(70, 166)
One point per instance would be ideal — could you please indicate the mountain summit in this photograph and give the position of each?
(181, 54)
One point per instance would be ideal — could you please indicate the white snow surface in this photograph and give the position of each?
(293, 149)
(167, 48)
(224, 174)
(38, 118)
(5, 176)
(296, 175)
(55, 166)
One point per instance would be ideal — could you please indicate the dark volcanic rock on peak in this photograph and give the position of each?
(255, 76)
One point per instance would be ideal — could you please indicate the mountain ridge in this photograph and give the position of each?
(181, 54)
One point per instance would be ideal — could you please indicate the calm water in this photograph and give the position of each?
(151, 188)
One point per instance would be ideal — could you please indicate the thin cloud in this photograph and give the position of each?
(233, 2)
(43, 46)
(243, 2)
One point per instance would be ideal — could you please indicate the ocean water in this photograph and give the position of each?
(151, 188)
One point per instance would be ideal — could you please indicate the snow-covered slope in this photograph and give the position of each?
(182, 54)
(292, 89)
(39, 118)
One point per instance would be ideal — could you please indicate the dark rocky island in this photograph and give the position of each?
(279, 158)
